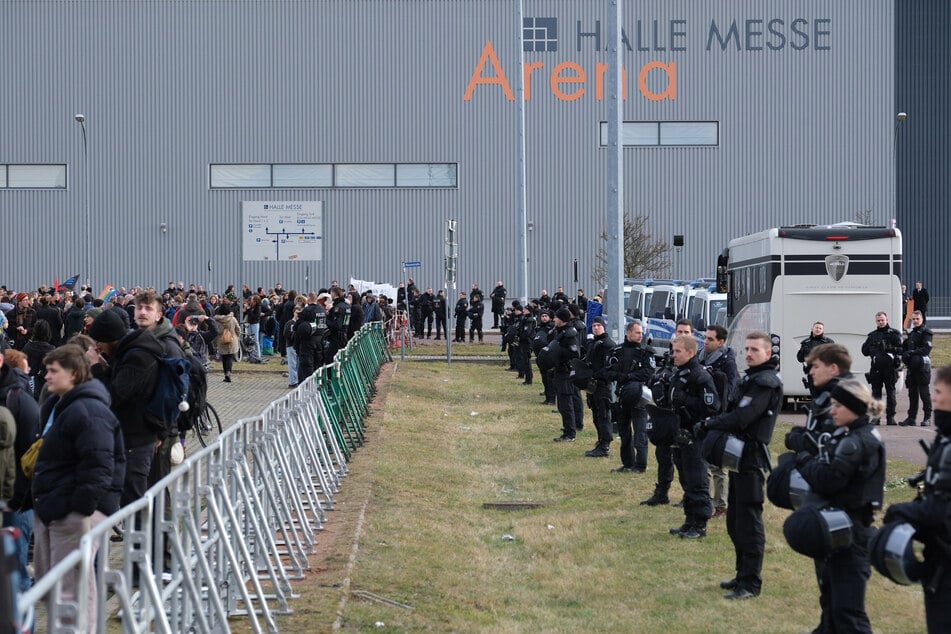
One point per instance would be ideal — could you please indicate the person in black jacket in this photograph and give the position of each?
(497, 296)
(439, 310)
(563, 347)
(920, 297)
(461, 312)
(426, 301)
(751, 418)
(930, 513)
(310, 336)
(917, 359)
(883, 345)
(816, 338)
(15, 396)
(542, 335)
(525, 333)
(849, 473)
(337, 319)
(80, 468)
(475, 312)
(631, 366)
(693, 396)
(720, 360)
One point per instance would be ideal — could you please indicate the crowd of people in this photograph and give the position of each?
(711, 424)
(79, 381)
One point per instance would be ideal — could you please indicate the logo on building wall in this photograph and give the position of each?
(539, 35)
(837, 266)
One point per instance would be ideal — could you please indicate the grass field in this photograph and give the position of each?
(442, 441)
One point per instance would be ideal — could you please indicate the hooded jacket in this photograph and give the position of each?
(81, 465)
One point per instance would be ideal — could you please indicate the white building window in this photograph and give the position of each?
(426, 175)
(665, 133)
(240, 176)
(366, 175)
(33, 176)
(331, 175)
(303, 176)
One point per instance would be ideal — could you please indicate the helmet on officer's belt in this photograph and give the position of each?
(581, 374)
(785, 487)
(892, 552)
(722, 450)
(549, 356)
(635, 394)
(663, 427)
(915, 362)
(818, 532)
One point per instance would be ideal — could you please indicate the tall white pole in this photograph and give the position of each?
(614, 214)
(87, 252)
(522, 202)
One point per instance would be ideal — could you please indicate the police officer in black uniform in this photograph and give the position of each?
(460, 313)
(917, 359)
(598, 395)
(439, 310)
(426, 307)
(631, 365)
(582, 331)
(883, 345)
(751, 417)
(525, 335)
(476, 310)
(849, 473)
(564, 347)
(930, 512)
(542, 334)
(310, 335)
(693, 396)
(816, 338)
(497, 296)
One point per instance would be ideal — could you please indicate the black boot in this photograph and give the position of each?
(656, 500)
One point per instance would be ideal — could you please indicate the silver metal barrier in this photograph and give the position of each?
(226, 532)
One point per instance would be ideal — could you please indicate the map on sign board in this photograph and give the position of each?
(276, 231)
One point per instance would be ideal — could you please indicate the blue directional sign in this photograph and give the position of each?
(412, 265)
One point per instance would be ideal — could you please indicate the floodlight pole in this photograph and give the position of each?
(614, 214)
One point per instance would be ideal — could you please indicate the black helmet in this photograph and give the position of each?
(818, 532)
(549, 356)
(663, 426)
(785, 487)
(635, 394)
(722, 450)
(892, 552)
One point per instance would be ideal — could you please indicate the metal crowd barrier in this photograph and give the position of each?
(234, 523)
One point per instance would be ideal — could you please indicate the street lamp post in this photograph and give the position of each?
(899, 120)
(87, 243)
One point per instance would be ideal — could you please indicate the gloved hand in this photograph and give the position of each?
(700, 430)
(796, 439)
(896, 513)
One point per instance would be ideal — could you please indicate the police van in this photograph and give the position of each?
(783, 280)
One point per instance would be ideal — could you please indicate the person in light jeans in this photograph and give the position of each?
(79, 471)
(288, 334)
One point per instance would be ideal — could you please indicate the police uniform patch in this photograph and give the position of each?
(708, 399)
(746, 400)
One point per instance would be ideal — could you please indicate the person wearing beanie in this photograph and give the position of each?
(126, 362)
(849, 474)
(563, 348)
(543, 330)
(598, 396)
(929, 512)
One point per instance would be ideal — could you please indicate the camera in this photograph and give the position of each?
(194, 321)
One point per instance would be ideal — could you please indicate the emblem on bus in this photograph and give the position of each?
(837, 266)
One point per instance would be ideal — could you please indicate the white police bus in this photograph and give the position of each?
(785, 279)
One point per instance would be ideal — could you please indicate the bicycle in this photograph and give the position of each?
(207, 425)
(247, 347)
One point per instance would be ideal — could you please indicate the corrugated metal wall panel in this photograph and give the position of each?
(170, 87)
(924, 143)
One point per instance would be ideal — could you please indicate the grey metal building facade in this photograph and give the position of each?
(798, 96)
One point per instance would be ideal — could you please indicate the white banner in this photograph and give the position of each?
(375, 288)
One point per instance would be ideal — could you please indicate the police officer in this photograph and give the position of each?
(751, 417)
(565, 341)
(310, 335)
(598, 395)
(929, 513)
(883, 345)
(582, 330)
(525, 335)
(460, 313)
(509, 338)
(849, 473)
(720, 360)
(631, 365)
(497, 296)
(816, 338)
(693, 396)
(337, 319)
(917, 359)
(542, 335)
(426, 307)
(663, 453)
(439, 310)
(476, 309)
(828, 364)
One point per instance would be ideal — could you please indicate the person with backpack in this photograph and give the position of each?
(751, 417)
(126, 362)
(15, 398)
(720, 361)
